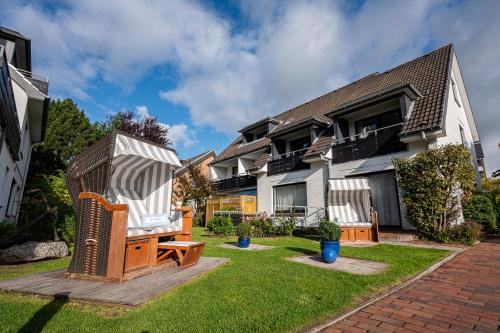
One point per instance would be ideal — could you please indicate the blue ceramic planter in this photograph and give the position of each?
(329, 251)
(243, 242)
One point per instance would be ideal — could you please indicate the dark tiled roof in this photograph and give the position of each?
(195, 160)
(292, 124)
(261, 160)
(236, 148)
(427, 74)
(42, 86)
(321, 145)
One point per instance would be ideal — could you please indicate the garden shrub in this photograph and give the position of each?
(329, 231)
(221, 225)
(6, 229)
(261, 226)
(285, 226)
(244, 229)
(229, 209)
(465, 233)
(480, 209)
(67, 229)
(433, 185)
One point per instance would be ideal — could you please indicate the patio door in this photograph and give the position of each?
(385, 199)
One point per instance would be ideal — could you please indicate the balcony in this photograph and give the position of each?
(287, 163)
(370, 144)
(235, 183)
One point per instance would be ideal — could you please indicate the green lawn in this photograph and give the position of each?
(254, 292)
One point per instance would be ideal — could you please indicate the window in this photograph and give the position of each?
(12, 198)
(462, 134)
(456, 93)
(234, 171)
(382, 120)
(299, 145)
(290, 197)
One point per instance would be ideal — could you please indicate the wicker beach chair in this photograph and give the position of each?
(121, 188)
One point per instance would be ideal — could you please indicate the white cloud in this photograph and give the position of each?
(181, 134)
(142, 111)
(291, 51)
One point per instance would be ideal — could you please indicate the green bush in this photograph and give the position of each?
(261, 226)
(244, 229)
(221, 225)
(6, 229)
(329, 231)
(433, 185)
(285, 226)
(466, 233)
(229, 209)
(67, 229)
(480, 209)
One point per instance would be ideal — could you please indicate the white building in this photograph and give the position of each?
(24, 106)
(294, 158)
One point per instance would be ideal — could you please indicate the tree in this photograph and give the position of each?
(194, 185)
(433, 185)
(148, 127)
(69, 131)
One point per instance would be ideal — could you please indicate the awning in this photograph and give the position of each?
(349, 201)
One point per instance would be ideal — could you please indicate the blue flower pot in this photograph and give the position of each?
(243, 242)
(329, 251)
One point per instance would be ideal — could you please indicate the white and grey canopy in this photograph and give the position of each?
(349, 201)
(141, 177)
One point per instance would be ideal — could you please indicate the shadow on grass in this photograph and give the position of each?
(301, 250)
(45, 314)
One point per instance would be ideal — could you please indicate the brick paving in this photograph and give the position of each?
(463, 295)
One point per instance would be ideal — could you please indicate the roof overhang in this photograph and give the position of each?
(368, 100)
(307, 122)
(38, 105)
(259, 123)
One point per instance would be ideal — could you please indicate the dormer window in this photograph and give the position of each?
(258, 130)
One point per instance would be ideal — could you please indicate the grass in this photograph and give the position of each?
(254, 292)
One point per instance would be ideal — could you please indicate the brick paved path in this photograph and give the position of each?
(463, 295)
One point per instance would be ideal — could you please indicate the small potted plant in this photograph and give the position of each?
(244, 231)
(329, 233)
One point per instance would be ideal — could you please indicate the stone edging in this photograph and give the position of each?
(391, 291)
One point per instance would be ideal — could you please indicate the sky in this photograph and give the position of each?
(206, 69)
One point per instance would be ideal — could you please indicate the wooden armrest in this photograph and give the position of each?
(108, 206)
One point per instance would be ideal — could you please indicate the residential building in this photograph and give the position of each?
(202, 161)
(299, 158)
(24, 105)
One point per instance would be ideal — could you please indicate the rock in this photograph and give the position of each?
(33, 251)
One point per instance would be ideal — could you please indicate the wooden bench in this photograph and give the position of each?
(186, 253)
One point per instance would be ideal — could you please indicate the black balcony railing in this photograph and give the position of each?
(287, 163)
(374, 143)
(235, 182)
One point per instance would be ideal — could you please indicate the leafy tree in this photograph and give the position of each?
(148, 127)
(193, 185)
(69, 131)
(433, 185)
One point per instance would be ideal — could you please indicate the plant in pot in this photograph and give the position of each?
(244, 231)
(329, 233)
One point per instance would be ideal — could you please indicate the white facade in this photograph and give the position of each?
(30, 105)
(314, 178)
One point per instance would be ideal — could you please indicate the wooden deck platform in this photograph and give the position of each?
(129, 293)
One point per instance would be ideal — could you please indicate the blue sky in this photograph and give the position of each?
(208, 68)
